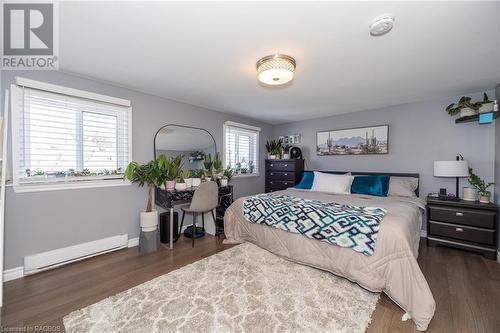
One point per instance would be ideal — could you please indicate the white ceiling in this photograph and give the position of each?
(205, 53)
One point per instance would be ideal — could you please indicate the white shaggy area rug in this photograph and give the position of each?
(242, 289)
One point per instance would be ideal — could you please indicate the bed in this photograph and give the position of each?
(393, 267)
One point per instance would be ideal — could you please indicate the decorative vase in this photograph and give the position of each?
(196, 182)
(469, 194)
(223, 182)
(286, 156)
(189, 182)
(180, 186)
(485, 108)
(272, 157)
(170, 185)
(465, 112)
(484, 197)
(149, 220)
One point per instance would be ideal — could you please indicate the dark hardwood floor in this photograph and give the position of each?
(466, 288)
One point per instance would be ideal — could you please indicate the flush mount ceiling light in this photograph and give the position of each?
(382, 25)
(276, 69)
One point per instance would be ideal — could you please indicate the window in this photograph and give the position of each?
(61, 139)
(241, 148)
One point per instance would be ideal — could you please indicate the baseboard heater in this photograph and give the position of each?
(54, 258)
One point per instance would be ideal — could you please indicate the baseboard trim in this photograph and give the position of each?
(13, 273)
(18, 272)
(133, 242)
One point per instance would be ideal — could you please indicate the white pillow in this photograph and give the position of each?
(331, 183)
(403, 186)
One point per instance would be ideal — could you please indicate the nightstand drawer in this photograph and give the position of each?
(279, 175)
(471, 234)
(280, 166)
(484, 219)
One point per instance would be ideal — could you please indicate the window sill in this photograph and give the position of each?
(26, 188)
(250, 175)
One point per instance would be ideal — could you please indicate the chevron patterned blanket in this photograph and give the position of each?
(343, 225)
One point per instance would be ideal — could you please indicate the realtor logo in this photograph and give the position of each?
(29, 36)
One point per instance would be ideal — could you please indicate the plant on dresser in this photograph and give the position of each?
(273, 148)
(282, 174)
(481, 186)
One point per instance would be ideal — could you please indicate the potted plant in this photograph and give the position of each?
(273, 148)
(208, 165)
(196, 175)
(469, 194)
(180, 183)
(481, 186)
(286, 151)
(251, 166)
(217, 165)
(170, 169)
(188, 178)
(196, 156)
(146, 174)
(465, 107)
(486, 104)
(227, 175)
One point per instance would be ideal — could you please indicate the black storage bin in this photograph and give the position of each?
(165, 227)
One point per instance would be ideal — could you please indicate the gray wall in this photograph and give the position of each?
(497, 158)
(419, 133)
(37, 222)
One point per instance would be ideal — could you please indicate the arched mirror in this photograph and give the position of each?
(192, 142)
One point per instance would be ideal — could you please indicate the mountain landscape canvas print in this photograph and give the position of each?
(354, 141)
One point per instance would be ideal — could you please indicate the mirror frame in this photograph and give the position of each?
(185, 126)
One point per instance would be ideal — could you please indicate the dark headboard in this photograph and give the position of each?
(409, 175)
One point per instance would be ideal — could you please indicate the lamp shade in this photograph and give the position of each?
(451, 169)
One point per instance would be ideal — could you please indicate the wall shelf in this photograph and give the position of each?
(469, 119)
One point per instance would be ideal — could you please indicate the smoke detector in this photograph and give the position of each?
(382, 25)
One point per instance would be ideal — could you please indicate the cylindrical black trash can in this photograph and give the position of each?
(165, 227)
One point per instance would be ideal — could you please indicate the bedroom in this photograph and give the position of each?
(370, 93)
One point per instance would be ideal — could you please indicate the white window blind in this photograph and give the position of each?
(241, 145)
(61, 138)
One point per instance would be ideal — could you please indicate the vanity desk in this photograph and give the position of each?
(168, 199)
(193, 145)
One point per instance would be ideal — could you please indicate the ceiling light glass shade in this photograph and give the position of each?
(276, 69)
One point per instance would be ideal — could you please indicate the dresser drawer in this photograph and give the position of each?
(471, 234)
(280, 175)
(280, 166)
(279, 184)
(476, 218)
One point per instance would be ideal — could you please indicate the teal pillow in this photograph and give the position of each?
(371, 185)
(306, 182)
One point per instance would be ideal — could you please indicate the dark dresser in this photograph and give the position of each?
(282, 174)
(463, 224)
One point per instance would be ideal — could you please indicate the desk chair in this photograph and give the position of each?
(205, 199)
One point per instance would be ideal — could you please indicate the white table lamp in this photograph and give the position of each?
(450, 169)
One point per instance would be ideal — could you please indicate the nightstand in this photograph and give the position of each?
(463, 224)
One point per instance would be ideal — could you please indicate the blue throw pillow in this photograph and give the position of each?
(306, 182)
(371, 185)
